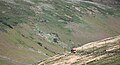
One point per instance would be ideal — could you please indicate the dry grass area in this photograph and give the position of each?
(112, 47)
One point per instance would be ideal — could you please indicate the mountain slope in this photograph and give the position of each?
(103, 52)
(114, 3)
(32, 30)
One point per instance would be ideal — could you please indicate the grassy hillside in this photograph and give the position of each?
(113, 3)
(32, 30)
(103, 52)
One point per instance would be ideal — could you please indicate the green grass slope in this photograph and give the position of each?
(32, 30)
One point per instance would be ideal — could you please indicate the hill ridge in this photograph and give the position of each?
(80, 58)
